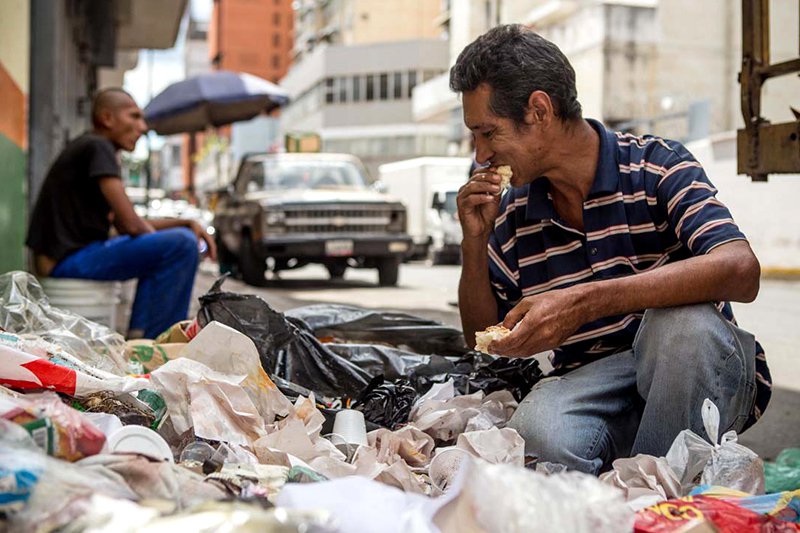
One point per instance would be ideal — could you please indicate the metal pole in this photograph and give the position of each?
(149, 162)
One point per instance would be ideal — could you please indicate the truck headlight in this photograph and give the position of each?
(275, 218)
(397, 223)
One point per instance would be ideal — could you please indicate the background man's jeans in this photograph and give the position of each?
(165, 262)
(637, 401)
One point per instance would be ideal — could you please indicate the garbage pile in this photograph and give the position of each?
(326, 418)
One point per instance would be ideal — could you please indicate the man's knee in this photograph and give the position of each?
(179, 241)
(679, 323)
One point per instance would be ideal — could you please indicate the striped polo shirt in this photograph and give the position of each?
(651, 204)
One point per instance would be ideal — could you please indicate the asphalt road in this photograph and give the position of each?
(431, 292)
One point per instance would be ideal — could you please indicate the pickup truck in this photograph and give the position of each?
(285, 211)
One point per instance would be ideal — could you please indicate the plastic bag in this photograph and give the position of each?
(387, 403)
(351, 323)
(287, 348)
(724, 462)
(784, 473)
(506, 498)
(24, 308)
(27, 363)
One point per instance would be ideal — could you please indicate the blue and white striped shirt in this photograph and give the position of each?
(650, 204)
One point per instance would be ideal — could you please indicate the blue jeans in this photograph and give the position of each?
(165, 262)
(637, 401)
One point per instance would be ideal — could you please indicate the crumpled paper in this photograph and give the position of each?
(214, 404)
(228, 351)
(444, 416)
(644, 478)
(408, 443)
(495, 446)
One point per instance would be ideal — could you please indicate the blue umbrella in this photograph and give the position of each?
(213, 99)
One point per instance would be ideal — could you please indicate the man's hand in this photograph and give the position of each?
(478, 203)
(203, 234)
(541, 322)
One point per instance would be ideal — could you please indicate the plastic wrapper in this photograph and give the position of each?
(784, 473)
(351, 323)
(506, 498)
(287, 348)
(781, 505)
(25, 309)
(58, 429)
(723, 517)
(31, 363)
(387, 403)
(722, 462)
(40, 493)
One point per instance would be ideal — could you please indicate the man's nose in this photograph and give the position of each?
(483, 154)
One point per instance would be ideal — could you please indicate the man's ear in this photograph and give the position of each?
(105, 118)
(540, 108)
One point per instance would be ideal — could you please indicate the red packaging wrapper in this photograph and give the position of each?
(726, 517)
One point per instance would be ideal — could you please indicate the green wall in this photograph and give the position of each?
(12, 206)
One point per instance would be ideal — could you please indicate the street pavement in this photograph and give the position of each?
(431, 292)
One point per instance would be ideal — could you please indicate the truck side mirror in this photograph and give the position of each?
(379, 186)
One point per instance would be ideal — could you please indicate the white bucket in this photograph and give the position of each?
(95, 300)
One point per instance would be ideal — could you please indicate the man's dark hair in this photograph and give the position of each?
(111, 98)
(514, 61)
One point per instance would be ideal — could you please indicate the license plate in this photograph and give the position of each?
(339, 248)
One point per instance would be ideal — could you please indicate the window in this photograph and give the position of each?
(342, 82)
(356, 89)
(412, 82)
(384, 86)
(276, 40)
(370, 87)
(398, 85)
(276, 19)
(329, 94)
(276, 61)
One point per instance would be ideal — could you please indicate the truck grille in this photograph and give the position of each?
(337, 219)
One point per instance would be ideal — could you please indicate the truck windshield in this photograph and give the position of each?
(274, 174)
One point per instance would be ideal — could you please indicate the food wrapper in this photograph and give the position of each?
(724, 517)
(55, 427)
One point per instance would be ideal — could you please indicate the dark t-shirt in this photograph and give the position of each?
(71, 210)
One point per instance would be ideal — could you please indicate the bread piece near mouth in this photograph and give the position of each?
(484, 338)
(505, 173)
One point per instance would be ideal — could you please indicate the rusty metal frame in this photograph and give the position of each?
(763, 148)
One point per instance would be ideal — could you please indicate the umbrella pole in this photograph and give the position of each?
(190, 167)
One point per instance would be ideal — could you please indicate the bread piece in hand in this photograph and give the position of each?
(485, 337)
(505, 177)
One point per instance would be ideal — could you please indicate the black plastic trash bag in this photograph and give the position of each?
(357, 324)
(387, 403)
(517, 376)
(287, 348)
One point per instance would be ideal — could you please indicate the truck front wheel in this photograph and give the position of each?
(251, 266)
(388, 271)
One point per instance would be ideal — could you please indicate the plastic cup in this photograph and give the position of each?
(349, 425)
(445, 465)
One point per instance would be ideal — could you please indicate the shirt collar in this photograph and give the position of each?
(606, 178)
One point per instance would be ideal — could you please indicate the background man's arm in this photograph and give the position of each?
(126, 220)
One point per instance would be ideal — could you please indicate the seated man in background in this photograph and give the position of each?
(611, 250)
(80, 198)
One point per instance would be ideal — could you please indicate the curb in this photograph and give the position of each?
(787, 273)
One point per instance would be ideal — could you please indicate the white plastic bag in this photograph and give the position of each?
(723, 462)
